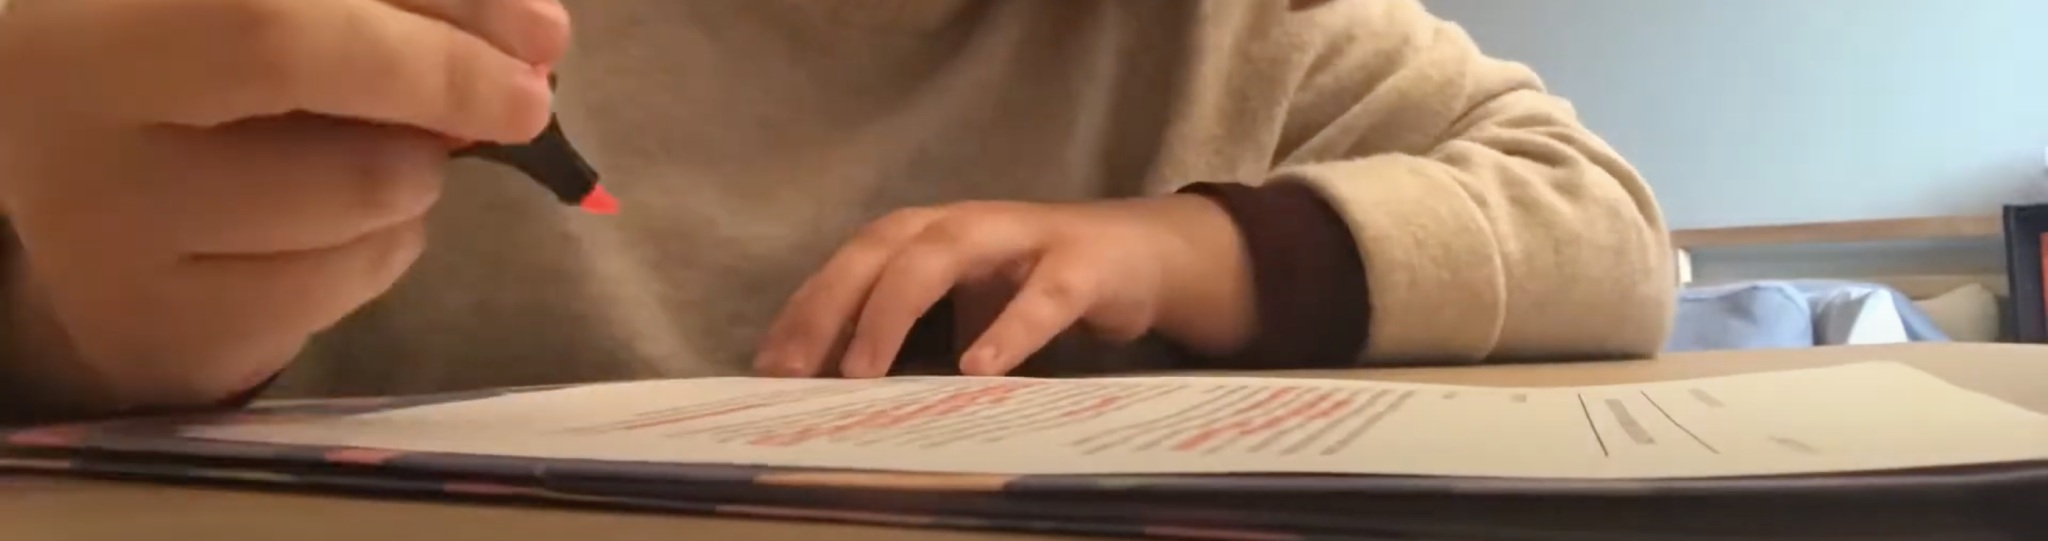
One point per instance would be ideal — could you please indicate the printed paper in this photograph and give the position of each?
(1865, 416)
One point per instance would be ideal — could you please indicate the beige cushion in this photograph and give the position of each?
(1965, 314)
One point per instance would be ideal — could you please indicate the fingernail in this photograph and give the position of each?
(552, 29)
(855, 365)
(531, 110)
(536, 32)
(779, 361)
(767, 364)
(980, 361)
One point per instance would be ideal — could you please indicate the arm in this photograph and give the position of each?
(37, 376)
(42, 378)
(1488, 223)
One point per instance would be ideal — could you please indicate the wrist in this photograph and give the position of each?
(1207, 299)
(1311, 303)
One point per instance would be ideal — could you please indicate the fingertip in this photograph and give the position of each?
(859, 365)
(539, 104)
(492, 99)
(528, 109)
(983, 360)
(534, 31)
(787, 370)
(765, 366)
(778, 362)
(552, 33)
(790, 370)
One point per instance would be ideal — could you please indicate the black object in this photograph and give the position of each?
(2024, 226)
(549, 159)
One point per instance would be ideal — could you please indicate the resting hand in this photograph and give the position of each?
(1121, 269)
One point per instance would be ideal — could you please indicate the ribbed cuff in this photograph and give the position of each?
(1313, 302)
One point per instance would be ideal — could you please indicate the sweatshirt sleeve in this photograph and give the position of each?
(1490, 223)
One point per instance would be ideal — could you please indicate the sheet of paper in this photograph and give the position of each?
(1866, 416)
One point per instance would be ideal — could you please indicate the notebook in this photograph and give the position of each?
(1874, 450)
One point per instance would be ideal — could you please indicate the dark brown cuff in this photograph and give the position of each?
(1313, 302)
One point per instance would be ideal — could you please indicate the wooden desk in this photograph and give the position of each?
(36, 509)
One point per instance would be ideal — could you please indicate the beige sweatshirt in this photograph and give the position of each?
(747, 138)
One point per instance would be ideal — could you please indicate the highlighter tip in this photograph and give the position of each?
(600, 202)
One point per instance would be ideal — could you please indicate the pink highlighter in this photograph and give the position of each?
(553, 162)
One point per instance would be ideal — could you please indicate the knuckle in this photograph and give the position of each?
(925, 261)
(864, 250)
(980, 207)
(237, 19)
(954, 230)
(897, 225)
(458, 96)
(1030, 318)
(264, 35)
(1063, 291)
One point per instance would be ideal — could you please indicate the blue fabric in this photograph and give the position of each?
(1755, 315)
(1784, 314)
(1828, 298)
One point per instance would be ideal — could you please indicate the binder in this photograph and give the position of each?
(2025, 229)
(1964, 482)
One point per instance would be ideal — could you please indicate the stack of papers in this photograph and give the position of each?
(1873, 450)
